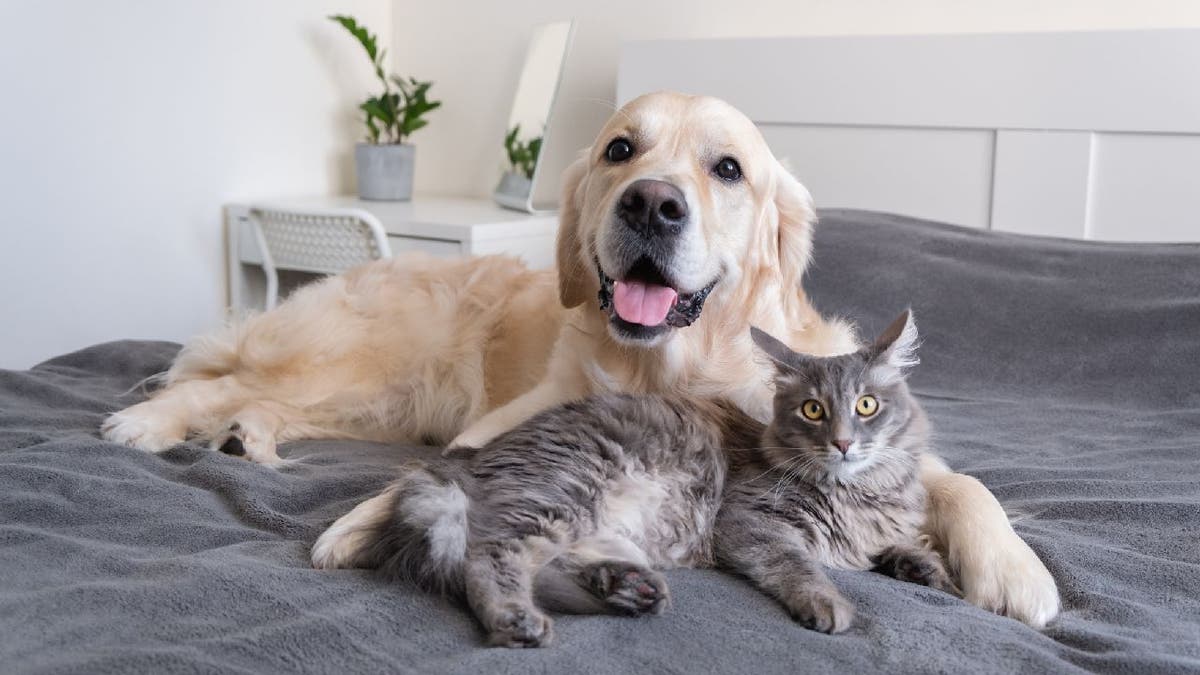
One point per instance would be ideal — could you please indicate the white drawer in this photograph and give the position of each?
(443, 248)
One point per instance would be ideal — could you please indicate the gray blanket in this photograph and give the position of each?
(1062, 374)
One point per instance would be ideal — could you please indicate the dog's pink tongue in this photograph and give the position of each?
(639, 302)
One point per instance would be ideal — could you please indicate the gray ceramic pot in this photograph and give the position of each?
(385, 172)
(515, 185)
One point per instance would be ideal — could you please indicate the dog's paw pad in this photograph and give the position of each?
(240, 440)
(233, 446)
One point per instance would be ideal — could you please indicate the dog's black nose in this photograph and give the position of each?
(653, 208)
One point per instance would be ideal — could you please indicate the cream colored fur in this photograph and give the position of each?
(414, 349)
(409, 349)
(339, 545)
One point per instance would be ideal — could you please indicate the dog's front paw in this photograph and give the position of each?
(241, 440)
(453, 451)
(1008, 578)
(822, 609)
(518, 626)
(465, 444)
(140, 427)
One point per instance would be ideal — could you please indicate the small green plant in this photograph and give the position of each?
(522, 155)
(396, 113)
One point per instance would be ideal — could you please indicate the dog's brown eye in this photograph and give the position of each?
(619, 150)
(728, 169)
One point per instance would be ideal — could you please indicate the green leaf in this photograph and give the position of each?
(415, 105)
(522, 156)
(401, 85)
(359, 32)
(372, 130)
(510, 144)
(535, 149)
(381, 109)
(392, 113)
(412, 125)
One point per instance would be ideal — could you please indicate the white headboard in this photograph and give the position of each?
(1085, 135)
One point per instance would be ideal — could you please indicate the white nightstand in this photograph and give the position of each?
(442, 226)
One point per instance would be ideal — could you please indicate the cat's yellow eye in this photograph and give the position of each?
(867, 405)
(812, 410)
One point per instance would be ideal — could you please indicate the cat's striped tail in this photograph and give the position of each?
(416, 530)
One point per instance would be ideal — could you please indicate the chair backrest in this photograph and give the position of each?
(323, 240)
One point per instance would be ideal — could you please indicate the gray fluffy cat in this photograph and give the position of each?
(573, 511)
(834, 482)
(576, 509)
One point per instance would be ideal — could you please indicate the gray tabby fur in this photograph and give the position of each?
(798, 503)
(578, 508)
(575, 511)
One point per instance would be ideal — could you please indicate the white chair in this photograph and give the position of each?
(322, 241)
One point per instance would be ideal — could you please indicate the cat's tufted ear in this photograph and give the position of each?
(785, 359)
(573, 269)
(897, 345)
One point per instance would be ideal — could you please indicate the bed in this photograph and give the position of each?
(1061, 373)
(1084, 135)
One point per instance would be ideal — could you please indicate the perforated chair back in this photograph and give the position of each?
(325, 241)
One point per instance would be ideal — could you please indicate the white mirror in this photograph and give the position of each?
(530, 117)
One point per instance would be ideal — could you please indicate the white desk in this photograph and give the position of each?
(441, 226)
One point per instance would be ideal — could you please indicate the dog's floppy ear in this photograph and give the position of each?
(572, 268)
(797, 216)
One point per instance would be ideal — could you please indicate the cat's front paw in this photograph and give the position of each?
(916, 566)
(630, 589)
(518, 626)
(822, 609)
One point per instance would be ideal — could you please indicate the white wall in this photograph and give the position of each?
(473, 51)
(124, 126)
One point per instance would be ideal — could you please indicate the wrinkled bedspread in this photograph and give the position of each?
(1065, 375)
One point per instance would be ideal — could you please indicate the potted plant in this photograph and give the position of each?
(384, 162)
(522, 160)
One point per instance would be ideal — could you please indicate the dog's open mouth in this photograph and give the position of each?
(644, 303)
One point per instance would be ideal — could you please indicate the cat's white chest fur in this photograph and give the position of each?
(649, 511)
(860, 534)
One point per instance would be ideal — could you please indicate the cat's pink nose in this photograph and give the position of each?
(842, 445)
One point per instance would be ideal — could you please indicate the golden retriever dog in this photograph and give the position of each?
(679, 230)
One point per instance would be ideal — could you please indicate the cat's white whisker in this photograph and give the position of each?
(775, 467)
(809, 461)
(785, 475)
